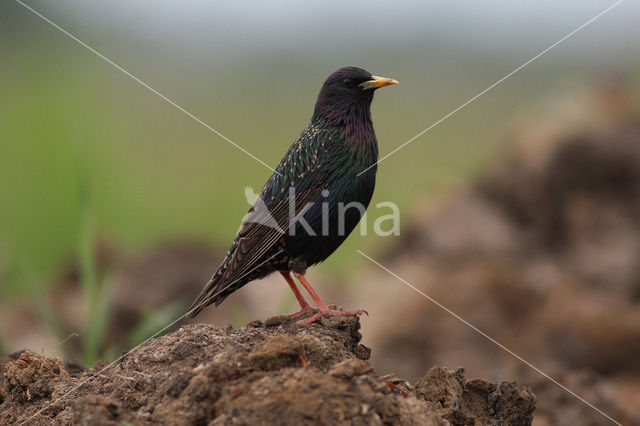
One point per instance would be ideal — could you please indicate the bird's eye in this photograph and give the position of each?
(347, 82)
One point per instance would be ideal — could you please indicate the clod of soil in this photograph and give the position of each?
(272, 372)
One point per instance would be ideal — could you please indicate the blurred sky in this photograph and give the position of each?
(291, 22)
(68, 120)
(229, 26)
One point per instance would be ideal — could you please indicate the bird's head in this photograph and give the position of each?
(347, 94)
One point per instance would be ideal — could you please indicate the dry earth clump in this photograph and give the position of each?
(272, 372)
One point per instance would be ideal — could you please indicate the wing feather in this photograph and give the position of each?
(304, 167)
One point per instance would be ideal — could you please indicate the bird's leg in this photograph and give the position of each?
(322, 307)
(304, 305)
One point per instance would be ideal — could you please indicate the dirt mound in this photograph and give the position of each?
(274, 372)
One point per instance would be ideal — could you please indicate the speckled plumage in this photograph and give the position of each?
(336, 145)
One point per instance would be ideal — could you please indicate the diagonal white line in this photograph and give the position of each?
(492, 86)
(500, 345)
(79, 385)
(145, 85)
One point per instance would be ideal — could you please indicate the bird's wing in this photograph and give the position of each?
(262, 231)
(304, 169)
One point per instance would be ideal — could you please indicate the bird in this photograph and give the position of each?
(300, 216)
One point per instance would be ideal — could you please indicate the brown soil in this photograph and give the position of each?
(274, 372)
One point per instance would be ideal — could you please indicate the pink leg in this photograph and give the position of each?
(303, 303)
(322, 307)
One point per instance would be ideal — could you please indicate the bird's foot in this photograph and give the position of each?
(331, 312)
(301, 312)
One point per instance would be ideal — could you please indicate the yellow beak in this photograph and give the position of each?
(377, 82)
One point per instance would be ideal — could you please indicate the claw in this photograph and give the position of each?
(331, 312)
(300, 312)
(322, 307)
(310, 320)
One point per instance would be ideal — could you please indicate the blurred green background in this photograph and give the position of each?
(87, 153)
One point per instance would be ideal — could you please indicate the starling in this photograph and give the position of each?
(303, 212)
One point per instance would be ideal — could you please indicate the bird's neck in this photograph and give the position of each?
(354, 122)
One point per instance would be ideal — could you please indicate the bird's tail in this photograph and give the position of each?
(207, 296)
